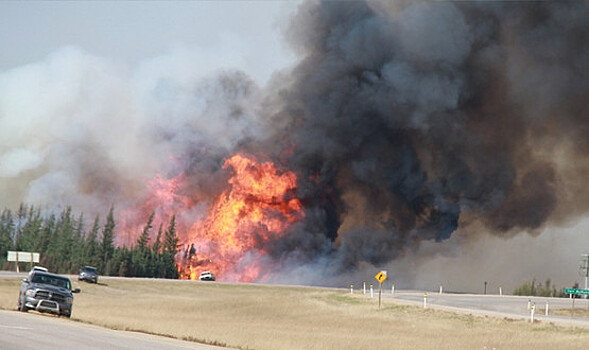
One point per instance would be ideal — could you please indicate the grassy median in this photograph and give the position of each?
(272, 317)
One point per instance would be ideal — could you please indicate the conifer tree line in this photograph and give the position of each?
(66, 244)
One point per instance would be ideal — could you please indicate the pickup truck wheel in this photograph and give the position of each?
(21, 306)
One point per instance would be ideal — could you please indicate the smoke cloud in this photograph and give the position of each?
(415, 129)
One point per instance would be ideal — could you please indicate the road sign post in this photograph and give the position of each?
(19, 257)
(573, 308)
(380, 277)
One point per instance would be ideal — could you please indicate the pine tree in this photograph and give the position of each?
(6, 232)
(45, 238)
(91, 248)
(77, 254)
(21, 216)
(121, 262)
(170, 250)
(58, 242)
(144, 238)
(107, 243)
(31, 228)
(157, 243)
(140, 254)
(156, 255)
(64, 241)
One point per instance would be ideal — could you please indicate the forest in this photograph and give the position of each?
(65, 244)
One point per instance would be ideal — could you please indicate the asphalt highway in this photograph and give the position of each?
(43, 331)
(499, 305)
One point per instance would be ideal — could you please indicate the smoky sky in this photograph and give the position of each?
(403, 121)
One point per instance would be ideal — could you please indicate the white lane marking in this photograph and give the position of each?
(13, 327)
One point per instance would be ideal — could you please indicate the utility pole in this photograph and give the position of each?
(585, 268)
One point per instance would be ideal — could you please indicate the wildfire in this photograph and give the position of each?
(229, 238)
(258, 206)
(165, 197)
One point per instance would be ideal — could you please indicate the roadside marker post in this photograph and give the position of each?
(573, 308)
(441, 288)
(393, 289)
(529, 303)
(424, 300)
(532, 313)
(546, 309)
(500, 290)
(371, 292)
(351, 289)
(364, 287)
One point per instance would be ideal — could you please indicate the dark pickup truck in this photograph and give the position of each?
(46, 292)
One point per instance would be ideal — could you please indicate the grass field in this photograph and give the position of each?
(271, 317)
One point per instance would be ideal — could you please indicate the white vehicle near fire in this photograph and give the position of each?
(206, 276)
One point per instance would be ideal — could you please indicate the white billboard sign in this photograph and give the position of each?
(23, 256)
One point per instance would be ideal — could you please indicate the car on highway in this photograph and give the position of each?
(88, 274)
(206, 276)
(46, 292)
(39, 268)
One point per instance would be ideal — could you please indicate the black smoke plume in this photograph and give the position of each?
(410, 121)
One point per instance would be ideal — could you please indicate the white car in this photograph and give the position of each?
(206, 276)
(38, 268)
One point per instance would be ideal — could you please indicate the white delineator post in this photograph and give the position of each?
(546, 309)
(529, 303)
(351, 289)
(441, 289)
(393, 289)
(371, 292)
(532, 313)
(364, 287)
(424, 300)
(500, 290)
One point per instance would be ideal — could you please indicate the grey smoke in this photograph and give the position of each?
(413, 128)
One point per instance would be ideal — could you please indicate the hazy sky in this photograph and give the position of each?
(242, 34)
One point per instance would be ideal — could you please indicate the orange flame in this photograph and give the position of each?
(165, 197)
(258, 206)
(229, 237)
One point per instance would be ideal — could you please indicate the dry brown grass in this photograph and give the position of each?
(272, 317)
(576, 312)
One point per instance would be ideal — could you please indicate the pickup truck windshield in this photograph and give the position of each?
(54, 281)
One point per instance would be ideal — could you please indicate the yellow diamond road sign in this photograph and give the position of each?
(381, 276)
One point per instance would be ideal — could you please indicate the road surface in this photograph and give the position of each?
(43, 331)
(499, 305)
